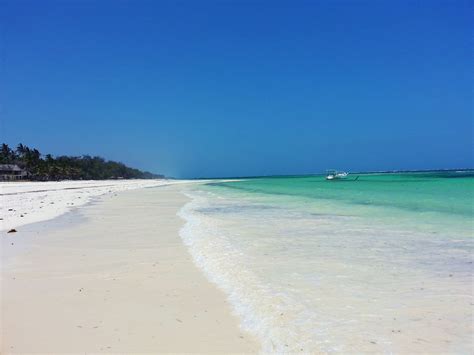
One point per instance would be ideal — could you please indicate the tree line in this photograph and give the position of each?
(46, 167)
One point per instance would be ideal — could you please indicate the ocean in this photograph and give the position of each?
(374, 263)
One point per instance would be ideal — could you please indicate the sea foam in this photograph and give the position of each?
(304, 280)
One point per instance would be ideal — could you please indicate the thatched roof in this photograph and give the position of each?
(10, 167)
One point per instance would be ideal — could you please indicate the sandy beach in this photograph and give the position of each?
(26, 202)
(236, 177)
(110, 276)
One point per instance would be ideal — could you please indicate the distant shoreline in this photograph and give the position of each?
(25, 202)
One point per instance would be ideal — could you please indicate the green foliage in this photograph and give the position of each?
(65, 167)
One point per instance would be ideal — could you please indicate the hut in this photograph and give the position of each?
(12, 172)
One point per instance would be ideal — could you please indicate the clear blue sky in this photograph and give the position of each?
(226, 88)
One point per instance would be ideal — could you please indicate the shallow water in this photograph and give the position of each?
(382, 263)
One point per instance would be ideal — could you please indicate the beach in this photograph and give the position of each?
(236, 177)
(378, 263)
(29, 202)
(112, 275)
(375, 263)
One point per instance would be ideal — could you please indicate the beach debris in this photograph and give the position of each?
(10, 209)
(13, 230)
(21, 215)
(179, 320)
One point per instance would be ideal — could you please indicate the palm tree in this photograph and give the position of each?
(66, 167)
(22, 149)
(7, 155)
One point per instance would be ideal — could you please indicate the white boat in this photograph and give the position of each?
(335, 175)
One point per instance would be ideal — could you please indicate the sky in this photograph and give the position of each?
(241, 88)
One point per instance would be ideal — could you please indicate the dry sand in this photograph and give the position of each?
(112, 276)
(25, 202)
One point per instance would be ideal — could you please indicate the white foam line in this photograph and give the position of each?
(219, 264)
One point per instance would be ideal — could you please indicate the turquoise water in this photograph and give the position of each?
(377, 262)
(435, 200)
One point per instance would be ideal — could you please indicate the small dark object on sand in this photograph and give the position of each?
(12, 231)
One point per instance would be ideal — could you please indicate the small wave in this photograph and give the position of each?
(259, 308)
(301, 279)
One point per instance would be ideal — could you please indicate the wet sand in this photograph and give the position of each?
(112, 276)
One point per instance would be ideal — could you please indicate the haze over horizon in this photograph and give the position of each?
(240, 88)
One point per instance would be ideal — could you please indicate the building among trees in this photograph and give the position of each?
(12, 172)
(24, 162)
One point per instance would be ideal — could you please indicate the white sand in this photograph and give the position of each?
(112, 276)
(28, 202)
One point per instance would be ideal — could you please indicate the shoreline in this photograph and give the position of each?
(113, 276)
(26, 202)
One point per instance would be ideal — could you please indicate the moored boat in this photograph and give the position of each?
(335, 175)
